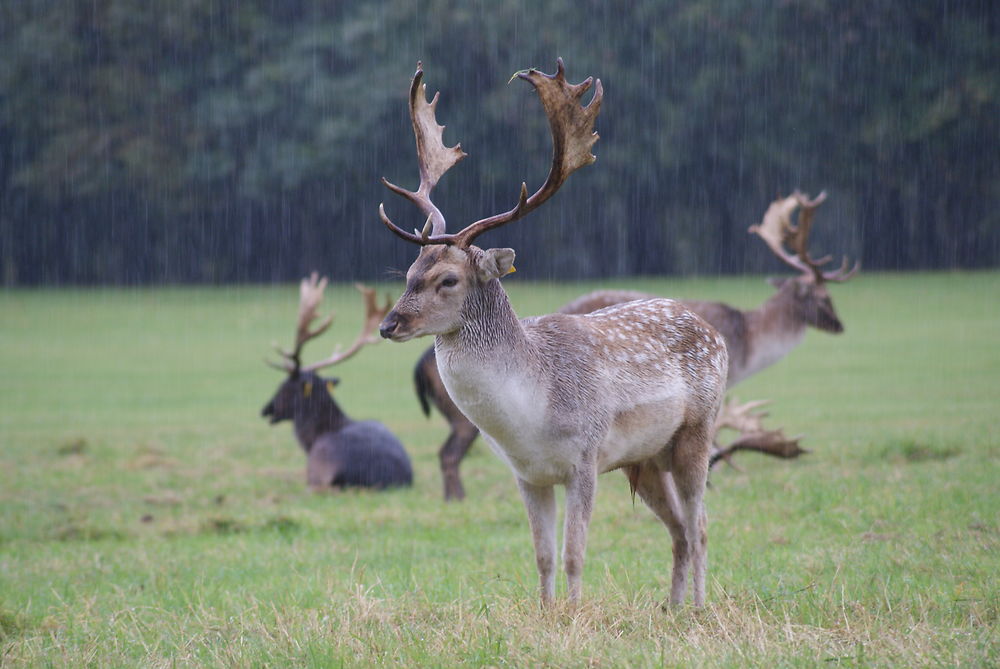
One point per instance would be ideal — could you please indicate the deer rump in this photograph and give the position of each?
(362, 454)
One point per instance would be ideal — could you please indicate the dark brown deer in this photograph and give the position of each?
(562, 398)
(756, 338)
(340, 452)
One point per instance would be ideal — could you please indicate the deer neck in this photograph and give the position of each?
(486, 366)
(490, 329)
(315, 420)
(773, 330)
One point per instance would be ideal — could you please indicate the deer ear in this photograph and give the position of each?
(777, 282)
(307, 389)
(495, 263)
(331, 384)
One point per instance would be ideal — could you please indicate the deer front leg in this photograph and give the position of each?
(580, 492)
(540, 502)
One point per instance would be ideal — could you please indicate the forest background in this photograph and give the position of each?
(192, 141)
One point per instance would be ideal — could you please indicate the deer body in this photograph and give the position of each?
(756, 338)
(573, 391)
(362, 454)
(340, 452)
(562, 398)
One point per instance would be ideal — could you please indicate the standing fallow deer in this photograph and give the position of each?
(563, 398)
(756, 338)
(340, 452)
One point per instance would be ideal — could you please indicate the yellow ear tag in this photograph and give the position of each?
(307, 389)
(511, 270)
(329, 387)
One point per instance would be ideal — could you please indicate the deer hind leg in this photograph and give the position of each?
(540, 502)
(580, 492)
(655, 489)
(689, 473)
(451, 455)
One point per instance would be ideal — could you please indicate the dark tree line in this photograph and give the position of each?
(197, 140)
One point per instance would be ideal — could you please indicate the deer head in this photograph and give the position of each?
(807, 292)
(449, 267)
(304, 390)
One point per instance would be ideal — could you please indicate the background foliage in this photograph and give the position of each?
(186, 140)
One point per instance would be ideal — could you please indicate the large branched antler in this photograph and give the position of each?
(573, 137)
(433, 157)
(753, 436)
(310, 295)
(373, 316)
(777, 230)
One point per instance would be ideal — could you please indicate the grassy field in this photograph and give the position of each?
(149, 516)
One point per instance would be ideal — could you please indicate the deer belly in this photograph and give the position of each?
(639, 433)
(538, 466)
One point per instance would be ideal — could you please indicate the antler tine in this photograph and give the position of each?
(373, 316)
(742, 417)
(802, 239)
(433, 158)
(841, 274)
(573, 137)
(310, 295)
(286, 366)
(799, 238)
(768, 442)
(776, 229)
(753, 436)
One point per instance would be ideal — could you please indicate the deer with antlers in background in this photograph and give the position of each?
(562, 398)
(756, 338)
(340, 452)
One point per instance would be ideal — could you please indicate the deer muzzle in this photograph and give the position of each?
(268, 412)
(393, 327)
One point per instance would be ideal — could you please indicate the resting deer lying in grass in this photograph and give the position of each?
(340, 452)
(756, 338)
(563, 398)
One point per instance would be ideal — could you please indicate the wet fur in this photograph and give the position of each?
(562, 398)
(755, 339)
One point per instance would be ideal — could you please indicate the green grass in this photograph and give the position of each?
(150, 517)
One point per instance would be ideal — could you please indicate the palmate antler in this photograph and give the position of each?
(573, 137)
(310, 295)
(777, 230)
(753, 436)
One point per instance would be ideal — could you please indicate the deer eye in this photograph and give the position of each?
(448, 282)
